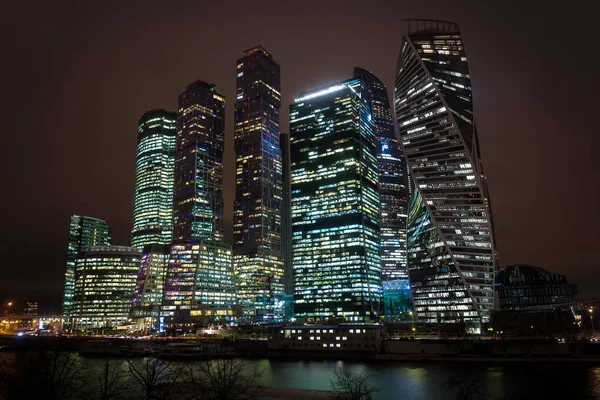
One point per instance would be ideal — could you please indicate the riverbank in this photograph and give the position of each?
(423, 350)
(273, 393)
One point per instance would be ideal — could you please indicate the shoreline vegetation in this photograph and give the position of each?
(425, 350)
(64, 375)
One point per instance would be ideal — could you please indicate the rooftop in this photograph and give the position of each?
(410, 26)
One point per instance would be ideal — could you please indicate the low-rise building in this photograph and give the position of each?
(521, 287)
(350, 337)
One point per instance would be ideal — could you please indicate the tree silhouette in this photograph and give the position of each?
(154, 378)
(223, 379)
(350, 386)
(111, 382)
(465, 389)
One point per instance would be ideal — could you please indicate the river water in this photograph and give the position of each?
(404, 380)
(420, 380)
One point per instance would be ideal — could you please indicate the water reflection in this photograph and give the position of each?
(402, 380)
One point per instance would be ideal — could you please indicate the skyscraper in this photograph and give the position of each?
(258, 257)
(286, 224)
(84, 232)
(199, 280)
(450, 238)
(199, 164)
(393, 182)
(105, 279)
(335, 203)
(154, 169)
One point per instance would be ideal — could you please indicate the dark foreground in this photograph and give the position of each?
(305, 379)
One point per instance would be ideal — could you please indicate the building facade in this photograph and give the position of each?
(397, 301)
(84, 233)
(335, 204)
(526, 287)
(154, 179)
(200, 285)
(286, 225)
(338, 338)
(450, 238)
(105, 278)
(198, 205)
(257, 229)
(199, 279)
(148, 292)
(393, 182)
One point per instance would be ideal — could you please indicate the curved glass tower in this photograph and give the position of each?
(154, 169)
(450, 236)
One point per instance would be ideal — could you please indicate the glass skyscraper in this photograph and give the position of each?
(335, 204)
(393, 182)
(84, 232)
(154, 169)
(198, 205)
(199, 279)
(450, 237)
(147, 296)
(286, 218)
(105, 278)
(258, 255)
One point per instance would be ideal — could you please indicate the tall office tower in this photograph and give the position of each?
(148, 292)
(84, 232)
(393, 182)
(105, 279)
(335, 203)
(258, 256)
(199, 279)
(286, 224)
(154, 169)
(450, 238)
(198, 205)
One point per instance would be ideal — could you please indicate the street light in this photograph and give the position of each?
(412, 321)
(591, 310)
(9, 305)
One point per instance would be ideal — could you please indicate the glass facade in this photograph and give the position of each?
(105, 278)
(199, 279)
(257, 225)
(335, 204)
(397, 301)
(393, 182)
(449, 238)
(84, 233)
(200, 282)
(154, 170)
(148, 292)
(522, 287)
(286, 215)
(198, 205)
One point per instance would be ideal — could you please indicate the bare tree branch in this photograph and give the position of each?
(222, 379)
(350, 386)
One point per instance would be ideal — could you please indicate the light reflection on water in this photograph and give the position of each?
(426, 380)
(408, 380)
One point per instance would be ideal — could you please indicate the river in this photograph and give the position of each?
(425, 380)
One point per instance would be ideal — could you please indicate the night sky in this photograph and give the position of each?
(76, 78)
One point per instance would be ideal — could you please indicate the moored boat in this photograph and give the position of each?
(182, 351)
